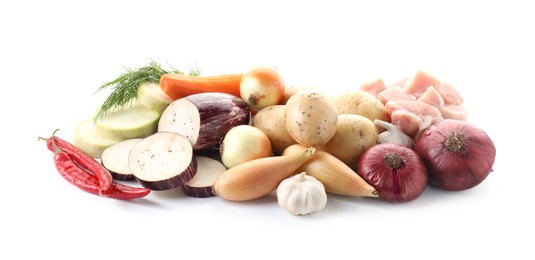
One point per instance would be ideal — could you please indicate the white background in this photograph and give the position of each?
(55, 54)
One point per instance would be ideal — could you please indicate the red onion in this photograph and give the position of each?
(395, 171)
(458, 154)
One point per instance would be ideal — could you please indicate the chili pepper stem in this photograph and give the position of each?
(53, 141)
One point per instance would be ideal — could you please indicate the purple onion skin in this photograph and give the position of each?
(402, 184)
(219, 112)
(460, 169)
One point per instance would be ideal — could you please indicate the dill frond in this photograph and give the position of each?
(125, 87)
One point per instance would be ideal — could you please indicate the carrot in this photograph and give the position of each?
(178, 86)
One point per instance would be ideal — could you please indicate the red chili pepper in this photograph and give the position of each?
(88, 182)
(104, 177)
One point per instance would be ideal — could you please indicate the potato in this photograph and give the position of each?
(271, 121)
(290, 91)
(310, 117)
(354, 134)
(361, 103)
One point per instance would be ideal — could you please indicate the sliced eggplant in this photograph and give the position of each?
(162, 161)
(204, 118)
(115, 159)
(208, 170)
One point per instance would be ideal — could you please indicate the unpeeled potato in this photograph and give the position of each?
(354, 134)
(310, 117)
(271, 121)
(361, 103)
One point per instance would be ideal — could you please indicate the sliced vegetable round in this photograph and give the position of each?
(88, 140)
(135, 121)
(162, 161)
(204, 119)
(208, 170)
(151, 96)
(115, 159)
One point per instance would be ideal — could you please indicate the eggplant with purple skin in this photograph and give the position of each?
(204, 119)
(201, 186)
(115, 159)
(162, 161)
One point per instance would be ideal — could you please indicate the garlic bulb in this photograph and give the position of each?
(301, 194)
(393, 134)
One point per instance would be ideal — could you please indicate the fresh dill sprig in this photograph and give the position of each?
(125, 87)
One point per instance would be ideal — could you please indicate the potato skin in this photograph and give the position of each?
(310, 117)
(271, 121)
(290, 91)
(361, 103)
(354, 134)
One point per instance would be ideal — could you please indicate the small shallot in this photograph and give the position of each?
(257, 178)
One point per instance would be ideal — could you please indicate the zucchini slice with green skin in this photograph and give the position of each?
(134, 121)
(87, 139)
(151, 96)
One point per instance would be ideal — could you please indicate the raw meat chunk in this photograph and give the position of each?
(374, 87)
(454, 112)
(394, 94)
(400, 83)
(412, 117)
(418, 84)
(432, 97)
(449, 93)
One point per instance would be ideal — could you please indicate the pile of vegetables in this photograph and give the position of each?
(243, 136)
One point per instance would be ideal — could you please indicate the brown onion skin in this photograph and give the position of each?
(394, 185)
(456, 171)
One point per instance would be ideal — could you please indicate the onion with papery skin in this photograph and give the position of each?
(261, 87)
(395, 171)
(244, 143)
(458, 154)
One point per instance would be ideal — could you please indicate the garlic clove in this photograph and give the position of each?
(301, 194)
(393, 134)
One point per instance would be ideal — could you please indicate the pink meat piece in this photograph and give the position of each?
(454, 112)
(394, 94)
(418, 84)
(449, 93)
(408, 122)
(432, 97)
(374, 87)
(412, 117)
(400, 83)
